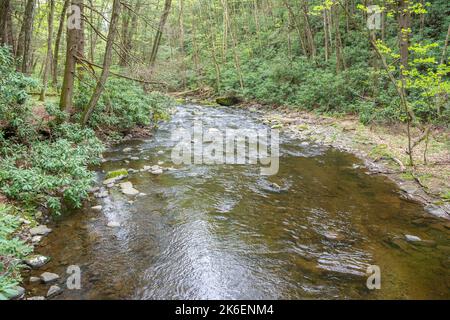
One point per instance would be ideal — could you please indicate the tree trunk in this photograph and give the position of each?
(26, 31)
(6, 31)
(48, 60)
(62, 19)
(159, 33)
(106, 62)
(74, 39)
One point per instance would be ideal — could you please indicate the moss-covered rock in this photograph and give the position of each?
(228, 101)
(117, 173)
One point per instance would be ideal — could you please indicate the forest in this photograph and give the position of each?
(78, 78)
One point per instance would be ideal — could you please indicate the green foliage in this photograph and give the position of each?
(12, 250)
(123, 105)
(40, 173)
(14, 110)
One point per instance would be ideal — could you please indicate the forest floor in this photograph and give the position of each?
(382, 147)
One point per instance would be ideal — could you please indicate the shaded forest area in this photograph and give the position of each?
(77, 73)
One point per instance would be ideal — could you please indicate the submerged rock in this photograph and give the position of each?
(41, 230)
(36, 261)
(48, 277)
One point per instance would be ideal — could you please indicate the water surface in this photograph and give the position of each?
(226, 232)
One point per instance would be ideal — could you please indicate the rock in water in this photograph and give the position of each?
(127, 150)
(36, 261)
(54, 291)
(97, 208)
(36, 298)
(41, 230)
(48, 277)
(127, 189)
(411, 238)
(228, 101)
(113, 224)
(19, 292)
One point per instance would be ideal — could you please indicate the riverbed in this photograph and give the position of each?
(224, 231)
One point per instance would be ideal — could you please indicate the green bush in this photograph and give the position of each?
(123, 105)
(39, 174)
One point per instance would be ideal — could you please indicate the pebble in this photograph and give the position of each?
(97, 208)
(48, 277)
(34, 279)
(127, 149)
(134, 158)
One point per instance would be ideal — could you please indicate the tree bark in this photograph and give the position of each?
(74, 39)
(107, 60)
(26, 31)
(48, 60)
(62, 19)
(162, 23)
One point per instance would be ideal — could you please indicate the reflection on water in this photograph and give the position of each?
(226, 232)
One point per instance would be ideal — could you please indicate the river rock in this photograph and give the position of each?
(436, 211)
(160, 152)
(36, 298)
(36, 239)
(97, 208)
(113, 180)
(101, 194)
(127, 189)
(36, 261)
(157, 171)
(34, 279)
(134, 158)
(411, 238)
(127, 149)
(54, 291)
(113, 224)
(48, 277)
(93, 190)
(19, 292)
(41, 230)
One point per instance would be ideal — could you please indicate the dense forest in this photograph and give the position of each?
(77, 75)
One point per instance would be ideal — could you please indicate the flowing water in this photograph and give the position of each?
(227, 232)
